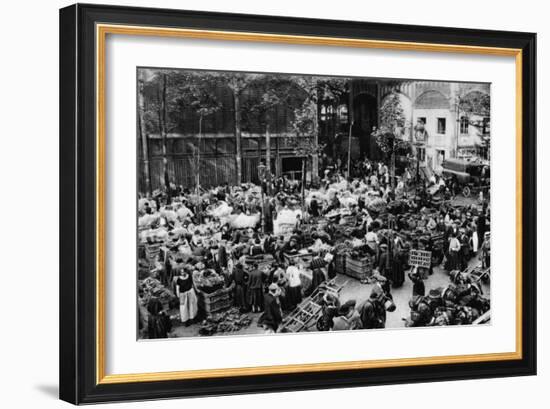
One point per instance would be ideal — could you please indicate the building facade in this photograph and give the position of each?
(437, 123)
(435, 120)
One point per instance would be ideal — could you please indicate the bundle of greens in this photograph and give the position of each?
(228, 321)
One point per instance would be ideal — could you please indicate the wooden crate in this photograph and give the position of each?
(152, 251)
(359, 268)
(217, 301)
(348, 220)
(340, 263)
(263, 260)
(298, 257)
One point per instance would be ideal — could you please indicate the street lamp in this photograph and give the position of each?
(261, 174)
(420, 136)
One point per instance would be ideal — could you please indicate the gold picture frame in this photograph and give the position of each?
(97, 20)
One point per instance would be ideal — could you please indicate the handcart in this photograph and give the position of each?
(306, 314)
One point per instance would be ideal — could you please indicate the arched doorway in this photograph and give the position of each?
(365, 117)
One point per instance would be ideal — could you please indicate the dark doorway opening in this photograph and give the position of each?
(365, 116)
(292, 167)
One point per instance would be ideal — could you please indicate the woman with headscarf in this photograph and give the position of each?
(187, 297)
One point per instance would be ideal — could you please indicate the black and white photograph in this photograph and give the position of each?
(275, 204)
(283, 203)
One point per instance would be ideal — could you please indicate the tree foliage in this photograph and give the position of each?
(264, 94)
(476, 106)
(389, 134)
(477, 103)
(170, 95)
(305, 123)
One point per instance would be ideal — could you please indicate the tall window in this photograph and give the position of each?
(326, 112)
(440, 156)
(343, 114)
(441, 125)
(421, 154)
(486, 126)
(464, 123)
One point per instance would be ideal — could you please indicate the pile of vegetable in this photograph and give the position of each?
(208, 280)
(228, 321)
(153, 288)
(377, 205)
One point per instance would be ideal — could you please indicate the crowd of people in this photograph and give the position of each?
(275, 243)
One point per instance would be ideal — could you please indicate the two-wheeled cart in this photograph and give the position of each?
(307, 313)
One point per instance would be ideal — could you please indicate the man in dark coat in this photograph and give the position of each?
(372, 312)
(314, 208)
(317, 277)
(272, 315)
(256, 288)
(240, 277)
(384, 265)
(421, 312)
(158, 323)
(418, 283)
(481, 227)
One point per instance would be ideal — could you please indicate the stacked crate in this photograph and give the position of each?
(299, 257)
(340, 263)
(263, 260)
(348, 220)
(359, 268)
(152, 250)
(217, 301)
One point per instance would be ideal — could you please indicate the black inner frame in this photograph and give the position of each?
(78, 211)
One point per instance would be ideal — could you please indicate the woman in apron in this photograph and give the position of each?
(187, 297)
